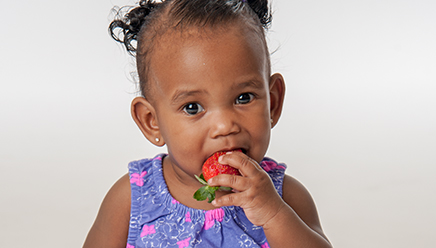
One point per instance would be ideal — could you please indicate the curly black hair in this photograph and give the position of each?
(137, 27)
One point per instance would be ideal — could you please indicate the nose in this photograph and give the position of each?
(224, 123)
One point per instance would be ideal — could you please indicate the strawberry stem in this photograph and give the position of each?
(201, 179)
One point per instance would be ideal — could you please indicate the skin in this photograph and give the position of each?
(211, 91)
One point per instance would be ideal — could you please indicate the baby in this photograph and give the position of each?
(206, 85)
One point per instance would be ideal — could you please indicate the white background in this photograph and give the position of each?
(358, 128)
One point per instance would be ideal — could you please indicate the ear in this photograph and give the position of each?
(277, 96)
(144, 115)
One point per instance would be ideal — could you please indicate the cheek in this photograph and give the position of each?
(263, 133)
(260, 132)
(180, 137)
(262, 120)
(183, 145)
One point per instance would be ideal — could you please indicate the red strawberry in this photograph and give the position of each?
(212, 168)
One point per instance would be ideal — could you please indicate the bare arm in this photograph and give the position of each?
(111, 226)
(296, 224)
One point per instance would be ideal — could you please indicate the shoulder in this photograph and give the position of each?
(300, 200)
(111, 226)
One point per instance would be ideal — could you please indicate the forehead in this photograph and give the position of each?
(217, 55)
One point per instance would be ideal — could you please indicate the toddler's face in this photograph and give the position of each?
(211, 93)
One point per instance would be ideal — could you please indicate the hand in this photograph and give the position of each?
(254, 190)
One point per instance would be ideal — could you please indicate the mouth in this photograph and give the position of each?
(239, 149)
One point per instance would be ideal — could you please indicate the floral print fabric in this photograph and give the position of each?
(159, 220)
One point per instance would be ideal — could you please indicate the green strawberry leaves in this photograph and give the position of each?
(207, 192)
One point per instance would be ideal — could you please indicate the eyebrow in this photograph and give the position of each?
(179, 95)
(250, 83)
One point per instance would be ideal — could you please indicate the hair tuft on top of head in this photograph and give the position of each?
(128, 22)
(262, 10)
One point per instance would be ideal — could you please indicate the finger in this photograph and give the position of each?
(235, 182)
(233, 199)
(246, 165)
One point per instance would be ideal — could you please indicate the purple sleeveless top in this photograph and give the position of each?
(158, 220)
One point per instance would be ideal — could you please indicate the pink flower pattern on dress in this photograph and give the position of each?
(264, 245)
(146, 230)
(188, 217)
(184, 243)
(211, 216)
(269, 165)
(130, 246)
(174, 201)
(138, 179)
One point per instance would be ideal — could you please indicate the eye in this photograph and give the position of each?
(193, 108)
(244, 98)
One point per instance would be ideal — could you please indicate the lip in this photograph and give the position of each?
(243, 150)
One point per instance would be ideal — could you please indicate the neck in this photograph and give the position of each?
(183, 186)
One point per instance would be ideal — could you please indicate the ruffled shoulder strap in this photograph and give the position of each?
(276, 171)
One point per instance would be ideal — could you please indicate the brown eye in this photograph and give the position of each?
(193, 108)
(244, 98)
